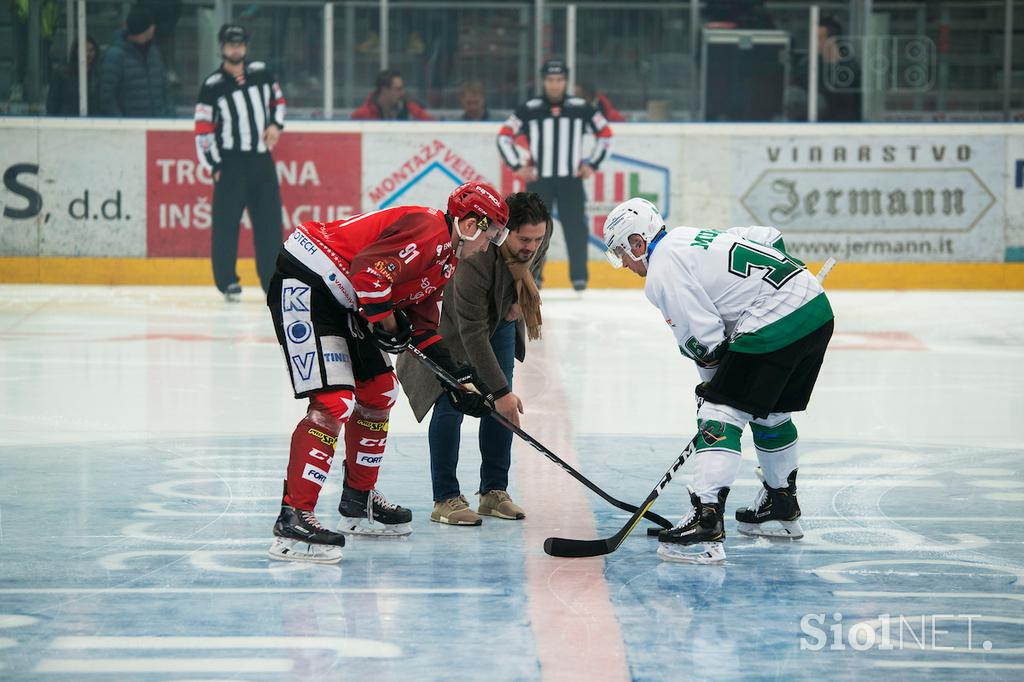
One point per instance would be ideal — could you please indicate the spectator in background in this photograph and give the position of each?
(839, 81)
(131, 73)
(49, 16)
(62, 100)
(166, 14)
(474, 102)
(389, 103)
(588, 91)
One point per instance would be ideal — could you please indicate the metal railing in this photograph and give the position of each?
(644, 55)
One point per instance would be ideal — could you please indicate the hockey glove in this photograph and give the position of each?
(393, 342)
(465, 401)
(712, 359)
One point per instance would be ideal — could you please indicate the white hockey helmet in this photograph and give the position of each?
(634, 216)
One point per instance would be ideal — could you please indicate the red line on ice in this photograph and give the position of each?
(573, 620)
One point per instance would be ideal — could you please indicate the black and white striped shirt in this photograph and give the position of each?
(555, 133)
(232, 113)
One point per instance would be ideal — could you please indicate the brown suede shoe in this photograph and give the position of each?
(498, 503)
(455, 511)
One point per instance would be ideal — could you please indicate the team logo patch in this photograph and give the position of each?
(318, 476)
(388, 268)
(712, 432)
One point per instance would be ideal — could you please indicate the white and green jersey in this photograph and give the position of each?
(739, 285)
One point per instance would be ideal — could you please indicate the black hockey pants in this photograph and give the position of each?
(247, 180)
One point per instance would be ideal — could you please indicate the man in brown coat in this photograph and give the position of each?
(491, 306)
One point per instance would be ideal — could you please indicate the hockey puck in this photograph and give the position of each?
(654, 531)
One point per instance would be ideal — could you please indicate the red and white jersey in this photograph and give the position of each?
(395, 258)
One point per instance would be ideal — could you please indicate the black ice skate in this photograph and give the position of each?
(775, 513)
(698, 537)
(369, 513)
(300, 537)
(233, 294)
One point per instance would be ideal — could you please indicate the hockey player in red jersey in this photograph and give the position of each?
(345, 294)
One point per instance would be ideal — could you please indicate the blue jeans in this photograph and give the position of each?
(495, 440)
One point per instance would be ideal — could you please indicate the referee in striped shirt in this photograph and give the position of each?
(239, 117)
(554, 125)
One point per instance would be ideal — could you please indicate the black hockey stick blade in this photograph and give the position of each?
(443, 376)
(578, 549)
(569, 548)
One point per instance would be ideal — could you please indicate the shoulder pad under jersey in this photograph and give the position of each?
(213, 79)
(257, 66)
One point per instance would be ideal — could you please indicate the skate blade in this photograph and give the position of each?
(360, 526)
(707, 553)
(777, 530)
(285, 549)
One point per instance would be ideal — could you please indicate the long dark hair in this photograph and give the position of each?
(72, 67)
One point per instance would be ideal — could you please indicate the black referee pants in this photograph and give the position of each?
(567, 194)
(247, 180)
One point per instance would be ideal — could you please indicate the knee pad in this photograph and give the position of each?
(331, 409)
(377, 396)
(719, 427)
(776, 435)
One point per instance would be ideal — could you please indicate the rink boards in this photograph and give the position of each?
(944, 201)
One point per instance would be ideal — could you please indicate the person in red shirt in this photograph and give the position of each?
(599, 101)
(345, 294)
(388, 101)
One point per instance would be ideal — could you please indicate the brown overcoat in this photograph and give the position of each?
(476, 299)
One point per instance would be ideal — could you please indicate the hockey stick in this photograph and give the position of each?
(446, 378)
(826, 268)
(564, 547)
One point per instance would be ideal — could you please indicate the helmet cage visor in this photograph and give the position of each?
(617, 254)
(495, 233)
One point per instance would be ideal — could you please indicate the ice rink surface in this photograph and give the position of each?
(143, 438)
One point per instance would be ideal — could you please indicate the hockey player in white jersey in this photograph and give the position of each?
(757, 324)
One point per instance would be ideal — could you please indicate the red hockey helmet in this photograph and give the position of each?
(483, 201)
